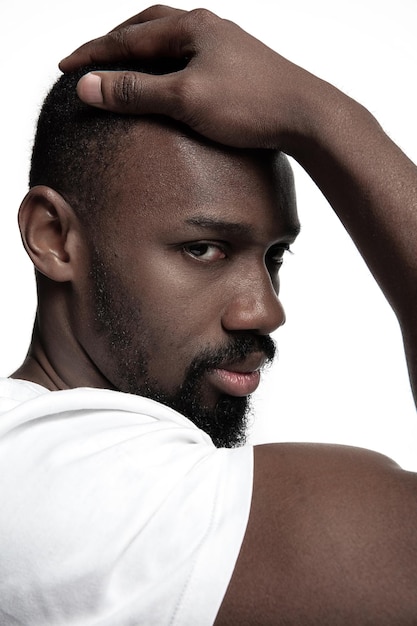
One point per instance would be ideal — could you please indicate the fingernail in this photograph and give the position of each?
(89, 89)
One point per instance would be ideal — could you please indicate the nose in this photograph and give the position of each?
(254, 306)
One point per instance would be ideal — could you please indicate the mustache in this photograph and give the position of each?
(239, 348)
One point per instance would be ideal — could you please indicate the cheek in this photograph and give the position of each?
(177, 327)
(183, 317)
(181, 300)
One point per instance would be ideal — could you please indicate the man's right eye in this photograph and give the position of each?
(205, 251)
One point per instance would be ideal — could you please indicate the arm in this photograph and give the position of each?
(331, 539)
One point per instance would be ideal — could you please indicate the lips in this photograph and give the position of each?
(235, 383)
(239, 379)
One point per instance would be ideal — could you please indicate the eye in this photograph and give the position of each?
(206, 252)
(275, 255)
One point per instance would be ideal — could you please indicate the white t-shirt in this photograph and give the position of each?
(114, 510)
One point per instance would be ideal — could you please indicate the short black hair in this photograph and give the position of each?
(76, 145)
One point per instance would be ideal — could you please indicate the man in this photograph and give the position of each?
(164, 283)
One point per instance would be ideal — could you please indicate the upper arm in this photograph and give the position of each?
(331, 539)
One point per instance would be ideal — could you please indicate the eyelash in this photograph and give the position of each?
(278, 250)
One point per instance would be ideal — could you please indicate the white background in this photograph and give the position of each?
(341, 375)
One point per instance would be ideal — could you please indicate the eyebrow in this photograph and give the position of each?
(292, 229)
(234, 228)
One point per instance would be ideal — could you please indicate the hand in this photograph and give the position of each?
(233, 90)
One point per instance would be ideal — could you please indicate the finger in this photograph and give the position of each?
(150, 14)
(162, 37)
(132, 93)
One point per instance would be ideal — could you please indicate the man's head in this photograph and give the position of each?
(163, 277)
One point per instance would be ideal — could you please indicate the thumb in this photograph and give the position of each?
(132, 93)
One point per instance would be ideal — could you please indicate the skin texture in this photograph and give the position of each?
(332, 536)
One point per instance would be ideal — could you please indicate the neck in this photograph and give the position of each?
(56, 361)
(37, 367)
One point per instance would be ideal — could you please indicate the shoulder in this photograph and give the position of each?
(105, 496)
(331, 539)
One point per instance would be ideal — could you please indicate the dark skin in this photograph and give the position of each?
(332, 534)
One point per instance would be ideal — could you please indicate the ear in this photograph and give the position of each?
(50, 233)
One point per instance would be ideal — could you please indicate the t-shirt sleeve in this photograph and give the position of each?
(114, 517)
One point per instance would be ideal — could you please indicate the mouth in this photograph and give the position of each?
(235, 383)
(238, 379)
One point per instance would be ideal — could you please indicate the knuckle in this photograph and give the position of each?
(158, 8)
(202, 16)
(121, 39)
(127, 90)
(198, 20)
(118, 38)
(186, 101)
(179, 95)
(153, 12)
(200, 27)
(184, 91)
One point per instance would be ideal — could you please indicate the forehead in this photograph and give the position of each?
(165, 173)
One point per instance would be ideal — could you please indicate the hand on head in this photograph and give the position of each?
(233, 89)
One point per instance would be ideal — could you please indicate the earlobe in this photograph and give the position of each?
(48, 229)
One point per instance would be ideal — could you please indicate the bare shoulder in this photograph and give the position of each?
(331, 539)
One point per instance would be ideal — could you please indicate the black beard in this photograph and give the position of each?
(226, 423)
